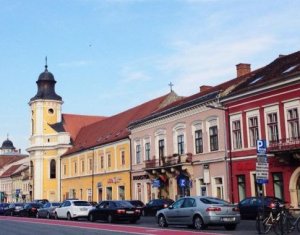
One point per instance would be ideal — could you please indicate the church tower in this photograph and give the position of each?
(47, 143)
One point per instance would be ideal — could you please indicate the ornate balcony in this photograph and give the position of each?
(168, 161)
(283, 145)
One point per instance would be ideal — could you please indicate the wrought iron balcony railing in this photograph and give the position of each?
(286, 144)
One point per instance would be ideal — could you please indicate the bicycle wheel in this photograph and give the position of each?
(263, 225)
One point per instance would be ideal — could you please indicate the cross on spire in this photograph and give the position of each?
(171, 85)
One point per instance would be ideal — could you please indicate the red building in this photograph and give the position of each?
(265, 106)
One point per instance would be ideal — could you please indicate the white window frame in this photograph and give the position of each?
(160, 135)
(288, 106)
(267, 111)
(252, 114)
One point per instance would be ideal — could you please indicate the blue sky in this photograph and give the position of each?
(110, 55)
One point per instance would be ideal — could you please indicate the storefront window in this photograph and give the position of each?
(108, 193)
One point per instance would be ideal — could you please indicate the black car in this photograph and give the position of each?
(30, 209)
(43, 201)
(137, 204)
(3, 206)
(114, 210)
(250, 206)
(48, 210)
(13, 209)
(155, 205)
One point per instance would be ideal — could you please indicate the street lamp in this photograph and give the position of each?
(228, 143)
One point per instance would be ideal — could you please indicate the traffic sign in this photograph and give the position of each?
(261, 146)
(262, 172)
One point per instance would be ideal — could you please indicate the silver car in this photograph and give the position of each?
(200, 212)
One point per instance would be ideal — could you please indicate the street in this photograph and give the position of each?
(25, 226)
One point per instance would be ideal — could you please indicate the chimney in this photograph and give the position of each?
(205, 88)
(242, 69)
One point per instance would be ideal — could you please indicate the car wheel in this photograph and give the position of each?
(110, 219)
(162, 221)
(69, 216)
(198, 223)
(55, 216)
(48, 215)
(91, 218)
(230, 226)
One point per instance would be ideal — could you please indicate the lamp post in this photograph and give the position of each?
(227, 144)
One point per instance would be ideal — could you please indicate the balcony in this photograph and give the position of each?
(283, 145)
(168, 161)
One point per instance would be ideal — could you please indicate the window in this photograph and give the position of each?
(198, 141)
(138, 153)
(241, 186)
(82, 166)
(278, 185)
(253, 131)
(75, 168)
(121, 192)
(108, 160)
(123, 157)
(180, 142)
(90, 164)
(147, 151)
(161, 148)
(52, 169)
(293, 123)
(108, 193)
(219, 187)
(273, 127)
(203, 188)
(237, 134)
(213, 137)
(65, 169)
(102, 162)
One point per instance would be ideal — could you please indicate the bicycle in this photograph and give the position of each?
(288, 223)
(265, 223)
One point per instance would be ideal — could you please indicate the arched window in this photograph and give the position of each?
(52, 169)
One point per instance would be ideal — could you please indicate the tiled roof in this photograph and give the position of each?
(115, 127)
(278, 70)
(7, 159)
(10, 171)
(73, 123)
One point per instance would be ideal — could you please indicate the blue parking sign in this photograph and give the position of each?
(261, 146)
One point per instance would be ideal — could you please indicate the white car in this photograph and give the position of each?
(73, 209)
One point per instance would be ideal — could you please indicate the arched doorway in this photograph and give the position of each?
(294, 188)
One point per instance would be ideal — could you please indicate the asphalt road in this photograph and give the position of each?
(32, 226)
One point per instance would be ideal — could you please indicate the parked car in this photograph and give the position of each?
(13, 209)
(155, 205)
(114, 210)
(73, 209)
(48, 210)
(199, 212)
(251, 205)
(137, 204)
(30, 209)
(3, 206)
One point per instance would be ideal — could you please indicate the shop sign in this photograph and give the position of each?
(114, 180)
(156, 183)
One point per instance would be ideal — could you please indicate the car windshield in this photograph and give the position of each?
(212, 200)
(122, 204)
(81, 203)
